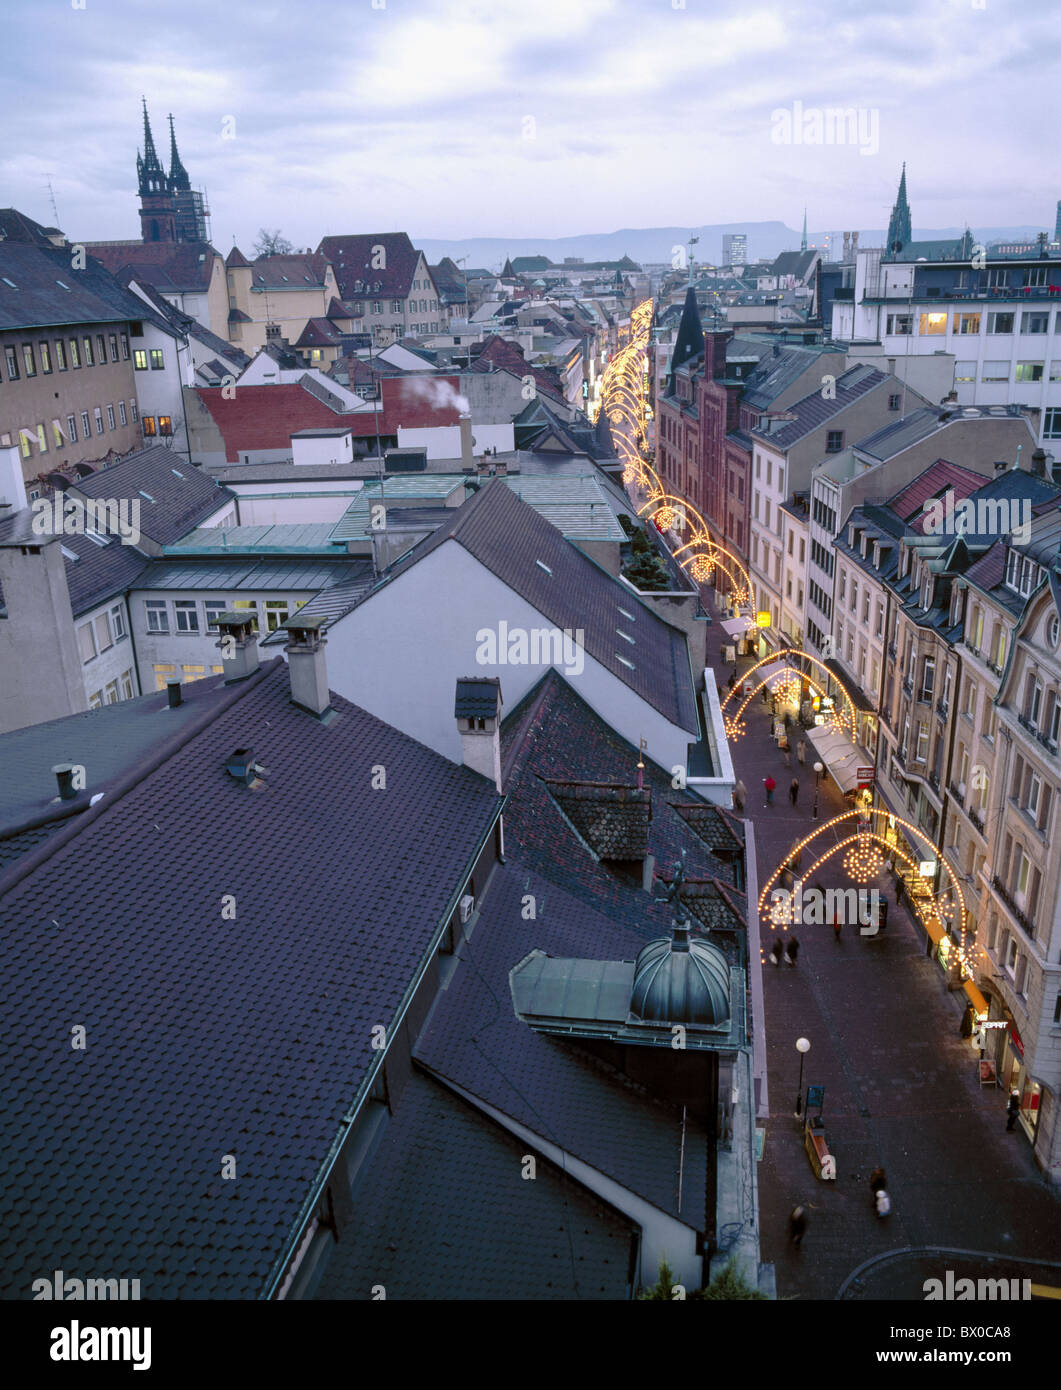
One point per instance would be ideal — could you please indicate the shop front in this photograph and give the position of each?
(847, 763)
(1014, 1076)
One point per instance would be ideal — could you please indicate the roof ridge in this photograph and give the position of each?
(27, 863)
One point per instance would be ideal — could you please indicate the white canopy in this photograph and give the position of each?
(738, 627)
(842, 757)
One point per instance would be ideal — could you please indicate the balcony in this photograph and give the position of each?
(942, 708)
(893, 651)
(977, 818)
(1003, 892)
(933, 780)
(908, 687)
(956, 794)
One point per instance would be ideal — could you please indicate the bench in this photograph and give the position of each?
(821, 1160)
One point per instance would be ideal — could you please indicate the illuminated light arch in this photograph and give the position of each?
(860, 837)
(805, 656)
(702, 565)
(734, 722)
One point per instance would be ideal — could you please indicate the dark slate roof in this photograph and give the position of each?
(100, 572)
(497, 354)
(16, 226)
(813, 411)
(168, 265)
(775, 373)
(341, 892)
(319, 333)
(509, 537)
(797, 263)
(897, 435)
(179, 495)
(423, 1234)
(477, 697)
(357, 278)
(989, 571)
(289, 270)
(45, 291)
(612, 819)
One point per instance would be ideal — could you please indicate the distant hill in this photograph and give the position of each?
(655, 244)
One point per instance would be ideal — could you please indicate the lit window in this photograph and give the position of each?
(60, 355)
(28, 360)
(164, 672)
(46, 358)
(933, 324)
(140, 359)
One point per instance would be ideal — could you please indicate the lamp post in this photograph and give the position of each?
(819, 768)
(802, 1047)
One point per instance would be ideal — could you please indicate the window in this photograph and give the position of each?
(928, 678)
(965, 371)
(192, 673)
(922, 742)
(164, 671)
(158, 362)
(187, 615)
(71, 429)
(110, 417)
(965, 324)
(157, 619)
(140, 359)
(997, 279)
(75, 356)
(86, 425)
(95, 700)
(121, 413)
(969, 707)
(842, 586)
(250, 604)
(11, 357)
(1053, 722)
(46, 358)
(1035, 322)
(101, 350)
(42, 439)
(98, 416)
(277, 611)
(834, 441)
(214, 608)
(87, 643)
(165, 424)
(1000, 323)
(86, 343)
(1036, 276)
(1052, 420)
(111, 693)
(1029, 371)
(995, 371)
(1021, 878)
(60, 354)
(128, 688)
(117, 617)
(1033, 701)
(933, 324)
(114, 347)
(125, 347)
(900, 324)
(149, 425)
(28, 360)
(134, 412)
(894, 402)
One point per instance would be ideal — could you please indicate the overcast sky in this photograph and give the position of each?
(538, 117)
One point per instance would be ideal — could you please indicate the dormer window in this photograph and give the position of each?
(926, 589)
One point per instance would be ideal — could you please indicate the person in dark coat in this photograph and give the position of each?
(732, 678)
(797, 1226)
(877, 1180)
(777, 951)
(1012, 1110)
(793, 791)
(792, 950)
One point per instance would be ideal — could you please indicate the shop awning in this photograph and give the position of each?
(858, 696)
(775, 674)
(977, 1000)
(738, 627)
(935, 929)
(841, 757)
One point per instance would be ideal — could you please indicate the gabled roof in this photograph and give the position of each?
(16, 226)
(330, 936)
(236, 258)
(497, 353)
(516, 544)
(778, 368)
(797, 263)
(38, 288)
(319, 333)
(289, 271)
(99, 572)
(174, 495)
(813, 411)
(941, 477)
(353, 257)
(171, 266)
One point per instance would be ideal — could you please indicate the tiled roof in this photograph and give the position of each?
(38, 288)
(901, 434)
(319, 333)
(775, 373)
(612, 819)
(16, 226)
(424, 1235)
(813, 411)
(340, 893)
(797, 263)
(352, 261)
(174, 495)
(293, 271)
(512, 540)
(941, 477)
(236, 258)
(496, 354)
(99, 572)
(168, 265)
(476, 698)
(989, 571)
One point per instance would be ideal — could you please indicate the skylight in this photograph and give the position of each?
(61, 285)
(626, 614)
(146, 495)
(96, 538)
(542, 565)
(176, 472)
(9, 282)
(625, 636)
(625, 662)
(69, 554)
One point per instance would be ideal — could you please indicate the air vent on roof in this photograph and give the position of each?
(146, 495)
(69, 554)
(625, 636)
(627, 615)
(625, 662)
(541, 564)
(10, 282)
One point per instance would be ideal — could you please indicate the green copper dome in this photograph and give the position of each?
(681, 980)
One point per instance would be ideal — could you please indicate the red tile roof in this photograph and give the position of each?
(352, 261)
(265, 417)
(236, 257)
(497, 353)
(910, 502)
(168, 265)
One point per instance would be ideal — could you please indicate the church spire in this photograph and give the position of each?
(803, 245)
(899, 232)
(149, 172)
(689, 340)
(178, 175)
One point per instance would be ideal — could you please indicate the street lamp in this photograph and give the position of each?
(802, 1047)
(819, 768)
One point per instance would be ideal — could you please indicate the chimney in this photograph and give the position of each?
(173, 690)
(467, 443)
(64, 775)
(12, 486)
(238, 644)
(478, 714)
(306, 663)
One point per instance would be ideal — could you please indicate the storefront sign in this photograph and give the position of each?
(762, 619)
(1015, 1039)
(864, 774)
(928, 868)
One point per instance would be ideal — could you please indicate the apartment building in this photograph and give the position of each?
(277, 297)
(386, 284)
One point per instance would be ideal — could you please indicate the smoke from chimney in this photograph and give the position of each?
(438, 393)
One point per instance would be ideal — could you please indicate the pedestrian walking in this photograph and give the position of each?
(877, 1180)
(776, 951)
(769, 786)
(786, 754)
(740, 795)
(1012, 1110)
(793, 790)
(792, 950)
(797, 1226)
(801, 750)
(732, 678)
(836, 930)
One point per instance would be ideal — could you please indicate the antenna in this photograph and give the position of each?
(51, 197)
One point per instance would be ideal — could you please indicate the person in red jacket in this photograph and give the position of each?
(768, 786)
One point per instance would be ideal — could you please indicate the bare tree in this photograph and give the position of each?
(272, 244)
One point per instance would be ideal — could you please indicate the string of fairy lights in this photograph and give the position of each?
(789, 689)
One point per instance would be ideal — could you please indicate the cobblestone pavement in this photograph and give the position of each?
(901, 1085)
